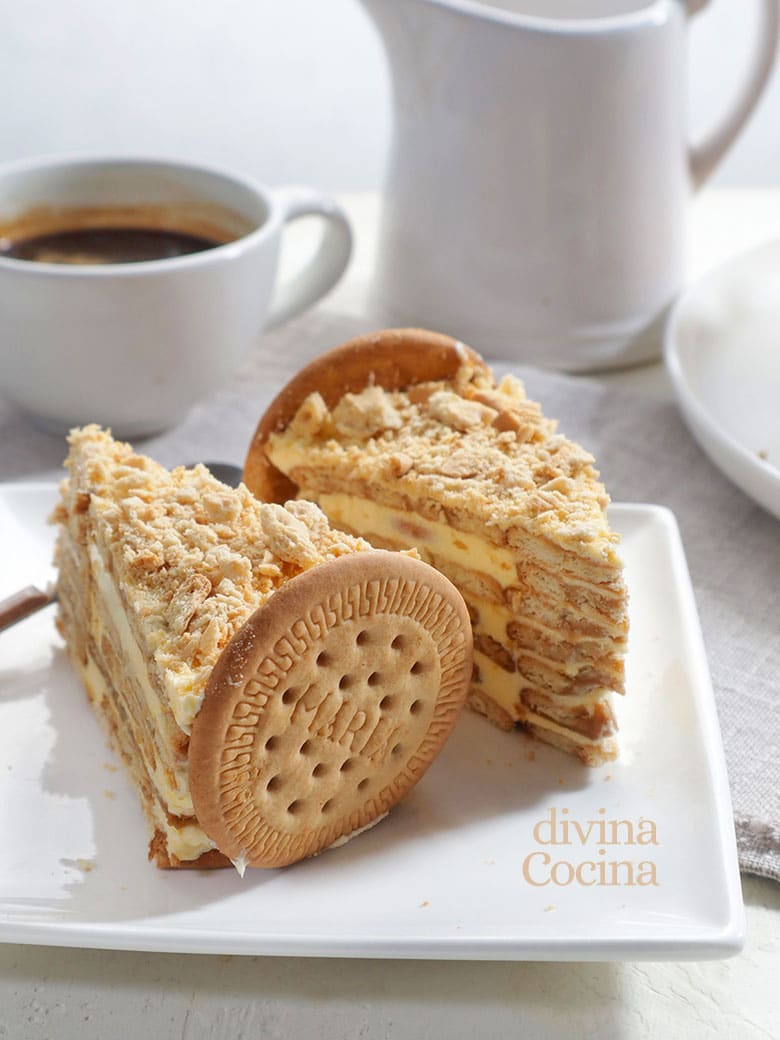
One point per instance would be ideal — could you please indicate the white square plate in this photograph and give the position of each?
(458, 870)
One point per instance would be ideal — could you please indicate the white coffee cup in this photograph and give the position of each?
(134, 345)
(540, 171)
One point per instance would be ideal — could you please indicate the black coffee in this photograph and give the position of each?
(105, 245)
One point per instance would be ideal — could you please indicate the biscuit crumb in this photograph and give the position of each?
(420, 393)
(311, 416)
(463, 464)
(399, 465)
(424, 903)
(459, 413)
(191, 595)
(288, 537)
(366, 413)
(84, 865)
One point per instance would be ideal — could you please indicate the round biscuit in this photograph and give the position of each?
(392, 358)
(328, 706)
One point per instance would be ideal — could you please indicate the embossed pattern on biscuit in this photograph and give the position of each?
(328, 706)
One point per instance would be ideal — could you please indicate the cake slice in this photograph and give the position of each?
(404, 438)
(273, 686)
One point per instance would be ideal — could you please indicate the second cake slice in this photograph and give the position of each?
(405, 438)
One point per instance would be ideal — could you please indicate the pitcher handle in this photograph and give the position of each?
(705, 156)
(326, 266)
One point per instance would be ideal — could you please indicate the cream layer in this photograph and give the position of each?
(502, 687)
(462, 547)
(493, 621)
(505, 688)
(184, 692)
(177, 797)
(186, 842)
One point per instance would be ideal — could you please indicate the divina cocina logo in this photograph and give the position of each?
(601, 851)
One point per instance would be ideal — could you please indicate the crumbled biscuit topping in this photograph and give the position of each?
(466, 447)
(192, 557)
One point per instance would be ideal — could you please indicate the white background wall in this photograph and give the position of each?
(289, 90)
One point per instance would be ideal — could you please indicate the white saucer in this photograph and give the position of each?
(722, 351)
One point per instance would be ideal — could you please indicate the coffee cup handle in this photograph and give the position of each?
(706, 155)
(328, 263)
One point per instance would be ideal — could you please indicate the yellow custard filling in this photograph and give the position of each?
(186, 842)
(503, 688)
(176, 797)
(184, 701)
(461, 547)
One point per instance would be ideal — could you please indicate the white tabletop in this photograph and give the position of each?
(48, 992)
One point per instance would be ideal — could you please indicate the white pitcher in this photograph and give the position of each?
(538, 182)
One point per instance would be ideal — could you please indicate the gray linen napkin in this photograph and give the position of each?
(645, 454)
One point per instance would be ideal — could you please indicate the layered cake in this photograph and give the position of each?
(274, 686)
(406, 439)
